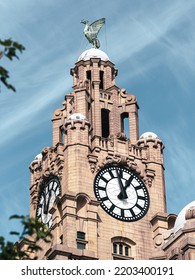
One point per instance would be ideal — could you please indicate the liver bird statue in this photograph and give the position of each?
(91, 31)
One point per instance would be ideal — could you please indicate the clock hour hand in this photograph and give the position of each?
(44, 203)
(127, 184)
(122, 194)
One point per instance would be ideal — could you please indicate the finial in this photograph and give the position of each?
(91, 31)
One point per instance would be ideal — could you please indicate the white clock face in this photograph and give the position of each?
(121, 193)
(46, 201)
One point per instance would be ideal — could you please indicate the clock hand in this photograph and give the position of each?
(45, 204)
(122, 194)
(127, 184)
(48, 202)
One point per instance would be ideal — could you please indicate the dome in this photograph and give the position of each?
(181, 218)
(77, 116)
(38, 157)
(93, 53)
(151, 135)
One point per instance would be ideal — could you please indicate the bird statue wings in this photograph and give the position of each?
(91, 31)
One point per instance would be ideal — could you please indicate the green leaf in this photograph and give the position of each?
(10, 50)
(18, 46)
(14, 233)
(27, 248)
(6, 43)
(5, 82)
(16, 217)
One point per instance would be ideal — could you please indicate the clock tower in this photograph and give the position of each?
(100, 186)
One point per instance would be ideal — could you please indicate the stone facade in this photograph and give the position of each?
(89, 133)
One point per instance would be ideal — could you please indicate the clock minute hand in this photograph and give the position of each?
(46, 202)
(122, 194)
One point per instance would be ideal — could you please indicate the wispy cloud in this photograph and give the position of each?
(180, 160)
(165, 32)
(152, 44)
(28, 113)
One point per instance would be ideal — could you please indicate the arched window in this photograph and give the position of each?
(61, 135)
(125, 124)
(81, 211)
(81, 206)
(122, 248)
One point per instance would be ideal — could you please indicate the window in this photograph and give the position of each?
(88, 75)
(61, 135)
(101, 79)
(81, 245)
(61, 239)
(81, 242)
(114, 248)
(81, 235)
(81, 209)
(120, 249)
(123, 248)
(105, 123)
(125, 124)
(126, 251)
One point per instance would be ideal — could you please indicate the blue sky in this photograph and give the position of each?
(151, 42)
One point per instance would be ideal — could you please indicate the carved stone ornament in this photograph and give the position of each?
(110, 160)
(123, 92)
(121, 136)
(82, 84)
(190, 213)
(51, 165)
(149, 177)
(120, 160)
(58, 112)
(92, 162)
(162, 238)
(35, 166)
(158, 240)
(130, 98)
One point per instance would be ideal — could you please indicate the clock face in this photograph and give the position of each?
(121, 193)
(46, 201)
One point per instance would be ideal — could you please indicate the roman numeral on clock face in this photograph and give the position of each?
(122, 212)
(104, 179)
(141, 197)
(138, 206)
(111, 174)
(112, 207)
(104, 198)
(101, 188)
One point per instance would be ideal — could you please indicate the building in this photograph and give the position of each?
(100, 187)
